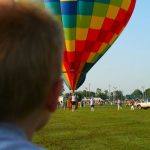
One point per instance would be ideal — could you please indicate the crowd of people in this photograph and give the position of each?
(72, 102)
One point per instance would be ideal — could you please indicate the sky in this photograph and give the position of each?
(126, 65)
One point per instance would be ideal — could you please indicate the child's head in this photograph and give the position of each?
(31, 44)
(6, 1)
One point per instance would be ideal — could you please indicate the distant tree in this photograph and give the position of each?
(92, 94)
(137, 94)
(98, 92)
(103, 96)
(107, 94)
(147, 93)
(79, 95)
(111, 96)
(129, 97)
(118, 95)
(67, 95)
(84, 93)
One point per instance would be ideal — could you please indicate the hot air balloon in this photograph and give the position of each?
(90, 27)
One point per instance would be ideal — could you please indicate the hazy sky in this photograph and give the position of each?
(126, 65)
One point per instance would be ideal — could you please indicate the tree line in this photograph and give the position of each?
(106, 95)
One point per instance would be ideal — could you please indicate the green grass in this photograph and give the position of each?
(104, 129)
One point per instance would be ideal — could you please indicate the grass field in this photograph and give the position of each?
(104, 129)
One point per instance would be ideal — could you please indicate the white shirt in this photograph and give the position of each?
(91, 101)
(118, 102)
(73, 98)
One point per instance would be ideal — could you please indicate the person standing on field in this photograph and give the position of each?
(119, 104)
(92, 102)
(73, 101)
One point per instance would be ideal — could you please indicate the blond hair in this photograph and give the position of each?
(31, 43)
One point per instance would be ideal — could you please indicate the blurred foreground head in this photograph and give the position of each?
(31, 44)
(6, 1)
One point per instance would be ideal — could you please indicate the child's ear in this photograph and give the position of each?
(54, 95)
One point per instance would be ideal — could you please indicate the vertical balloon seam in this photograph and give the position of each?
(65, 74)
(75, 69)
(109, 45)
(71, 71)
(91, 64)
(55, 9)
(80, 17)
(98, 54)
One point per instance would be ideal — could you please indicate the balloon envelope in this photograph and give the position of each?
(90, 27)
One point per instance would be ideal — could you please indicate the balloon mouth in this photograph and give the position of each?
(81, 80)
(75, 83)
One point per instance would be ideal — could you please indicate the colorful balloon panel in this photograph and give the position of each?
(90, 27)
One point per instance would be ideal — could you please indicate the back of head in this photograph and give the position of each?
(31, 44)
